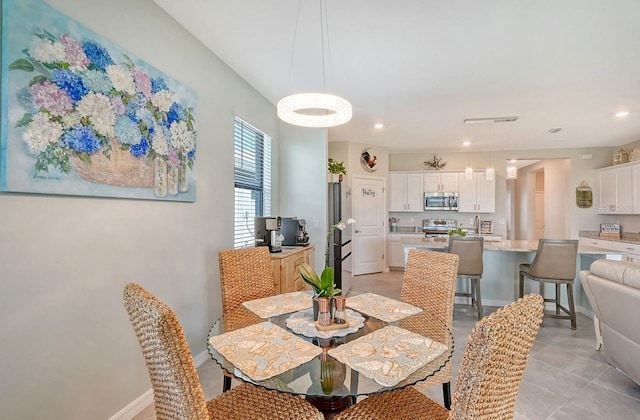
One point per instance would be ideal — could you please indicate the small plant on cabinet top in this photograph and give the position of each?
(336, 167)
(435, 163)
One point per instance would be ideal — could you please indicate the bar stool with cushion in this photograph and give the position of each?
(489, 378)
(245, 274)
(470, 250)
(555, 262)
(176, 388)
(429, 283)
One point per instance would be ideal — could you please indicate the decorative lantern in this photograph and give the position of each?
(621, 157)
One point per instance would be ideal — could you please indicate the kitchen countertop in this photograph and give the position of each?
(288, 250)
(513, 246)
(629, 238)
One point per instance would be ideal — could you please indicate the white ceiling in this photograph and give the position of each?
(421, 67)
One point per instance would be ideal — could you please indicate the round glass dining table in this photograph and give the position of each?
(324, 381)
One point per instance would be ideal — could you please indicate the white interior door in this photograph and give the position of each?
(369, 228)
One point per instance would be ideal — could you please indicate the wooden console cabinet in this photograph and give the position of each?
(286, 268)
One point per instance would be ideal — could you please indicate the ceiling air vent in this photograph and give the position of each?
(554, 130)
(489, 120)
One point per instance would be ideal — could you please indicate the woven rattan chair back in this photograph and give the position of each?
(245, 274)
(470, 252)
(176, 388)
(495, 360)
(429, 283)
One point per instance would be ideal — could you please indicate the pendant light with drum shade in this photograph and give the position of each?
(314, 109)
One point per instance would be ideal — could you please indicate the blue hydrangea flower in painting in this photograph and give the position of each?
(70, 83)
(136, 103)
(191, 154)
(175, 114)
(97, 81)
(127, 131)
(145, 116)
(157, 85)
(139, 149)
(81, 139)
(98, 55)
(23, 95)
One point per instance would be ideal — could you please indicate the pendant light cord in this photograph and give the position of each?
(293, 46)
(322, 11)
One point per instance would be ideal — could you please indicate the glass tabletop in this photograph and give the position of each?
(325, 376)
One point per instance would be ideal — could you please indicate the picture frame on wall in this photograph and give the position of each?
(82, 116)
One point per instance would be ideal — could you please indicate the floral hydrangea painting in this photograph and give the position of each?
(81, 116)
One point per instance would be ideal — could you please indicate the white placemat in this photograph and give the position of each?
(302, 322)
(388, 355)
(264, 350)
(381, 307)
(279, 304)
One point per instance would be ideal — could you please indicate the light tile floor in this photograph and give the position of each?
(565, 377)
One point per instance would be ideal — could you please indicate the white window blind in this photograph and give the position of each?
(252, 180)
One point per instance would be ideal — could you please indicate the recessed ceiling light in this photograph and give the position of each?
(378, 126)
(466, 143)
(622, 114)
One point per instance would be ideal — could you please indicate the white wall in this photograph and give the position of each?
(304, 183)
(68, 350)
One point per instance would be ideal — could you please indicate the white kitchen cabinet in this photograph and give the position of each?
(618, 190)
(396, 251)
(477, 195)
(441, 182)
(406, 192)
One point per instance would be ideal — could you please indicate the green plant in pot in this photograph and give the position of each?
(323, 285)
(457, 232)
(336, 168)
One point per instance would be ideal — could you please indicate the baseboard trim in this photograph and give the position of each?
(146, 399)
(135, 407)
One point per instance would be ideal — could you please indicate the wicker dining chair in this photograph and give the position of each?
(245, 274)
(489, 378)
(176, 388)
(429, 283)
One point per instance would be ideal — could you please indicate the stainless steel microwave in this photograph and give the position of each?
(441, 201)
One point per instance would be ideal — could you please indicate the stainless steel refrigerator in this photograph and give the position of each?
(339, 208)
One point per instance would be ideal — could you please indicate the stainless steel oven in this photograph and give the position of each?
(441, 201)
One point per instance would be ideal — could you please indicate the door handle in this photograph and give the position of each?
(357, 231)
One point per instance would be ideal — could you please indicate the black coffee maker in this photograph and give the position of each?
(294, 232)
(268, 233)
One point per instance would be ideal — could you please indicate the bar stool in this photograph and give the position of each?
(469, 250)
(555, 262)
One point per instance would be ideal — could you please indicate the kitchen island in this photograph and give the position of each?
(501, 261)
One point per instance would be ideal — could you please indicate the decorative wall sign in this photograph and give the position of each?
(584, 195)
(368, 160)
(81, 116)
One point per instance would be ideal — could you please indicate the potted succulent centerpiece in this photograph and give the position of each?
(336, 169)
(323, 285)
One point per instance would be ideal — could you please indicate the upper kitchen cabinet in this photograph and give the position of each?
(441, 181)
(477, 195)
(618, 189)
(405, 192)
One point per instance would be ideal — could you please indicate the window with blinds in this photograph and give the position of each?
(252, 180)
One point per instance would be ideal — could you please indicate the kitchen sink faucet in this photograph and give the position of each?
(476, 224)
